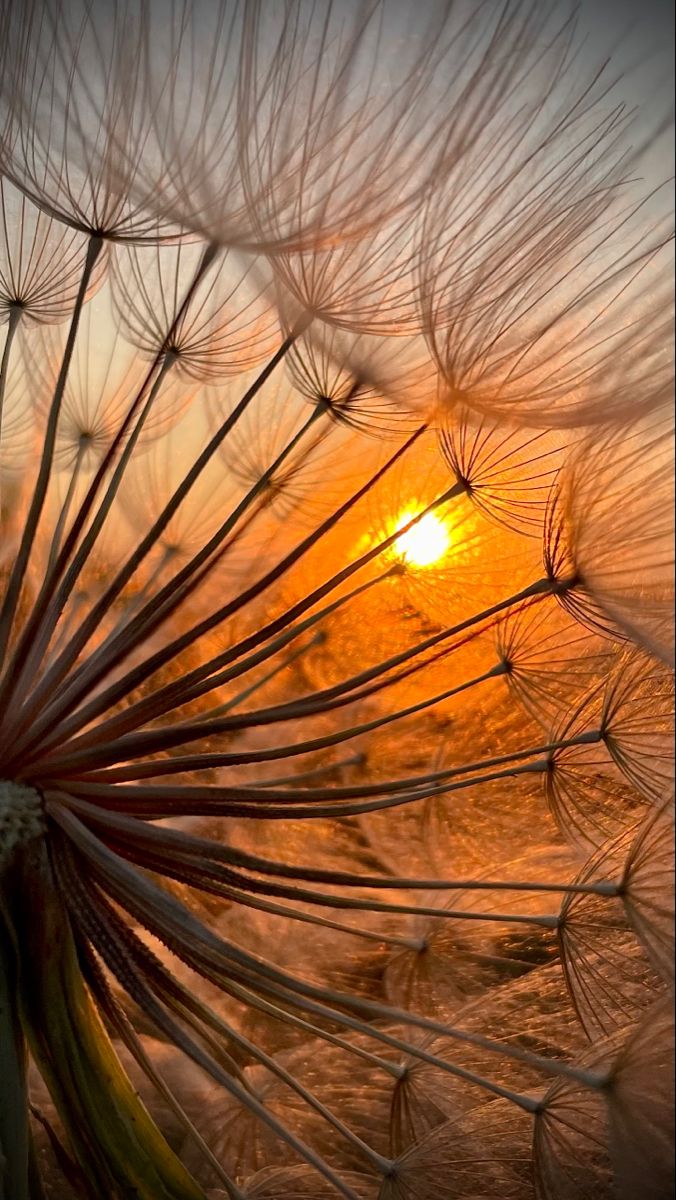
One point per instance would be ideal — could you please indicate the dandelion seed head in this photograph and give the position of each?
(336, 582)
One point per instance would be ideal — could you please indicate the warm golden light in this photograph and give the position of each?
(424, 543)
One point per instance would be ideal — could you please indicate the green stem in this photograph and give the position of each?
(116, 1143)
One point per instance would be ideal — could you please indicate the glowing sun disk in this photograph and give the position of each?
(425, 543)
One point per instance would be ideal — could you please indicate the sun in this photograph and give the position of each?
(425, 543)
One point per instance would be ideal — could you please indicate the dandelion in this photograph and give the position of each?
(336, 764)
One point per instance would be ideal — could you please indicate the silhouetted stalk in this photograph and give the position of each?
(288, 661)
(48, 605)
(16, 578)
(13, 319)
(61, 1023)
(114, 954)
(290, 712)
(57, 671)
(136, 744)
(152, 908)
(189, 1007)
(84, 678)
(206, 850)
(65, 506)
(119, 1023)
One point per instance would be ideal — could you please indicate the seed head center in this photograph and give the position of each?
(21, 817)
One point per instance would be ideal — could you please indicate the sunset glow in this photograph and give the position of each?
(425, 543)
